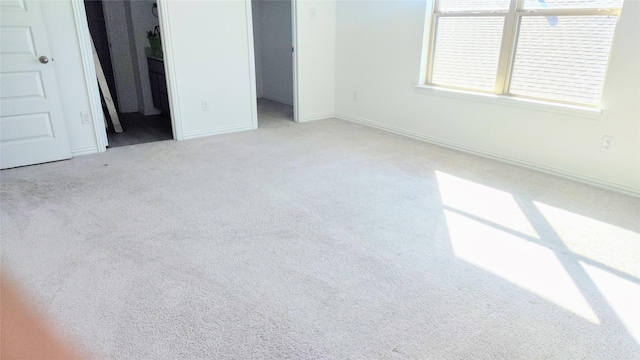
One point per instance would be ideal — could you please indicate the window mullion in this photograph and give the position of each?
(508, 41)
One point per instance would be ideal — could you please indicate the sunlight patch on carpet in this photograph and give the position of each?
(622, 295)
(528, 265)
(483, 202)
(607, 244)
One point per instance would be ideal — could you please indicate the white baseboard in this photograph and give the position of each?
(199, 134)
(627, 190)
(319, 116)
(87, 150)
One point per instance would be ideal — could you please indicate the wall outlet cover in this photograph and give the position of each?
(607, 143)
(86, 117)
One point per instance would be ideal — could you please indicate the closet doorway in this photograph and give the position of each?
(274, 36)
(134, 70)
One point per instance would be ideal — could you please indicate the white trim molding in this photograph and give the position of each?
(627, 190)
(170, 69)
(319, 116)
(87, 150)
(505, 100)
(252, 65)
(295, 59)
(84, 39)
(203, 133)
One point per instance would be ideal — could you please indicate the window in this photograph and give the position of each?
(552, 50)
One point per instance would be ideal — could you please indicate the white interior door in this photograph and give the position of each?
(32, 128)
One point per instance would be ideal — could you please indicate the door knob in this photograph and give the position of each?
(43, 59)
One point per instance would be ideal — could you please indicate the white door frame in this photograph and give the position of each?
(169, 69)
(294, 40)
(90, 77)
(252, 66)
(84, 37)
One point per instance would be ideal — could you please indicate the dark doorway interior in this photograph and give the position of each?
(102, 20)
(98, 30)
(141, 129)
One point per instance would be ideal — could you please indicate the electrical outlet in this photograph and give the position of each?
(607, 143)
(86, 117)
(355, 95)
(205, 105)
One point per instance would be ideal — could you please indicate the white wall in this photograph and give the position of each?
(212, 62)
(65, 54)
(116, 22)
(379, 48)
(256, 7)
(316, 51)
(274, 45)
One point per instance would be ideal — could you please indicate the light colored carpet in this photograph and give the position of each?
(273, 114)
(323, 240)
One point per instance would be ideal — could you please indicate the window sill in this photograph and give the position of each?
(564, 109)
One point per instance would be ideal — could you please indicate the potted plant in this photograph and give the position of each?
(155, 42)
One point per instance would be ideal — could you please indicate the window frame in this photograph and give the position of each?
(510, 34)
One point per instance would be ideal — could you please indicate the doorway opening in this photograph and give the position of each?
(134, 71)
(275, 61)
